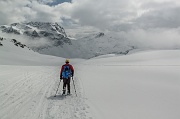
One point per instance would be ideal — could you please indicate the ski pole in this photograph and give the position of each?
(74, 86)
(58, 88)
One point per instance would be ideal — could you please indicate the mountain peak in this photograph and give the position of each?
(36, 30)
(47, 26)
(17, 28)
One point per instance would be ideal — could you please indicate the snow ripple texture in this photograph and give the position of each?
(27, 92)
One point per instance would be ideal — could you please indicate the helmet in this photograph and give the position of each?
(67, 61)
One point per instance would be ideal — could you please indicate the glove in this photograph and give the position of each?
(72, 75)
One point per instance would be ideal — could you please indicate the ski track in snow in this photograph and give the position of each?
(27, 92)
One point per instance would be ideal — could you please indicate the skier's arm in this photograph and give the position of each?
(61, 72)
(72, 70)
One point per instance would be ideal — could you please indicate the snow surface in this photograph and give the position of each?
(143, 85)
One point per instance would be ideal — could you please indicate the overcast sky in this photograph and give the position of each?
(102, 14)
(130, 16)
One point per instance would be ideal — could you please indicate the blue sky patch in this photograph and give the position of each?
(56, 2)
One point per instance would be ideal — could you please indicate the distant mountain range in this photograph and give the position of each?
(60, 45)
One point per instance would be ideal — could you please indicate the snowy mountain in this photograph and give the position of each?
(91, 46)
(39, 30)
(101, 44)
(51, 39)
(12, 42)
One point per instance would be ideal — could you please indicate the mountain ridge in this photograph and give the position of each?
(51, 38)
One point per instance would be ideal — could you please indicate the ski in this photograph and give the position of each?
(66, 94)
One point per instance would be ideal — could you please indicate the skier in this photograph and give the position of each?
(67, 71)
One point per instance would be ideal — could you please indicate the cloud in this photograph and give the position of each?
(11, 12)
(153, 38)
(113, 15)
(102, 14)
(126, 14)
(42, 12)
(163, 15)
(27, 10)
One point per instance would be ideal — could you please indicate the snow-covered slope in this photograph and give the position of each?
(12, 53)
(143, 85)
(28, 82)
(101, 44)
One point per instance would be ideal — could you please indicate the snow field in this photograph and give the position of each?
(143, 85)
(27, 92)
(139, 86)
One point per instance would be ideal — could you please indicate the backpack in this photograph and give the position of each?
(66, 73)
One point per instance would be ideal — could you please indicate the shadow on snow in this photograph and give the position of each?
(58, 97)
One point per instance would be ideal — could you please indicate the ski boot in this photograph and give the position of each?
(64, 91)
(68, 93)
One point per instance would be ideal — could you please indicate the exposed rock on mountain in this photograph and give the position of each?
(36, 30)
(50, 38)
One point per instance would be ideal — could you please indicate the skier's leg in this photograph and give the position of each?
(68, 85)
(64, 85)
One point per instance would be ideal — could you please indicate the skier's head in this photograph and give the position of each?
(67, 61)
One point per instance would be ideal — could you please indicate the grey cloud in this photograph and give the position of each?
(42, 13)
(105, 14)
(10, 11)
(3, 19)
(157, 15)
(26, 10)
(163, 18)
(102, 14)
(158, 5)
(155, 38)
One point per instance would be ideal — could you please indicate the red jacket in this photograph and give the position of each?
(71, 67)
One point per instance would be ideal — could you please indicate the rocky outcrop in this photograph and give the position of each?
(36, 30)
